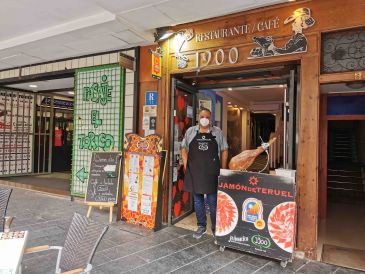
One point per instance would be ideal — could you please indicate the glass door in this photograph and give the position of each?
(291, 117)
(184, 98)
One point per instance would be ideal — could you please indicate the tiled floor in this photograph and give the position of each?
(350, 218)
(131, 249)
(56, 182)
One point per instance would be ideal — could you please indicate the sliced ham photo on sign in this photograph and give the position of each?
(227, 214)
(281, 225)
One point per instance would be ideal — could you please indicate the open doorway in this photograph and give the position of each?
(341, 231)
(51, 129)
(248, 113)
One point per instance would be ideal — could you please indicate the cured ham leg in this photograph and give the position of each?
(246, 158)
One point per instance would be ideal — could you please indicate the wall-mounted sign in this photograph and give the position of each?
(300, 20)
(238, 30)
(57, 103)
(151, 98)
(156, 66)
(97, 118)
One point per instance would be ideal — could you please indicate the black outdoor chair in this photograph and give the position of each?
(82, 239)
(5, 221)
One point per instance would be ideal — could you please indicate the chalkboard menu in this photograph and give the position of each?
(256, 213)
(103, 177)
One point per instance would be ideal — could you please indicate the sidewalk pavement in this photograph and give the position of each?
(131, 249)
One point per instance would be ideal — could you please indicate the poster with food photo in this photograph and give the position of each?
(256, 213)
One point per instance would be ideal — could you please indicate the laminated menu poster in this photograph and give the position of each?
(142, 180)
(256, 213)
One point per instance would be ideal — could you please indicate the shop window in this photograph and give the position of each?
(343, 51)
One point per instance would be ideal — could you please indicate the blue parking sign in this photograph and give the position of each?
(151, 98)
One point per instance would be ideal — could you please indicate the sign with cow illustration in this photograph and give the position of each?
(256, 213)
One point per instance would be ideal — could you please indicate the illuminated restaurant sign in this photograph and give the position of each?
(239, 30)
(300, 20)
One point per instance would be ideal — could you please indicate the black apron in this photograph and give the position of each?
(203, 165)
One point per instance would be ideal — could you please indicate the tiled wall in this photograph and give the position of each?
(103, 59)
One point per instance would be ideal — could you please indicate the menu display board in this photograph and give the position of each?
(256, 213)
(16, 132)
(141, 180)
(103, 177)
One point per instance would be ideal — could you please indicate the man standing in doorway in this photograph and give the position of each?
(204, 152)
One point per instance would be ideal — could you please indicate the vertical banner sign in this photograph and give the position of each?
(156, 65)
(98, 118)
(256, 213)
(142, 171)
(16, 132)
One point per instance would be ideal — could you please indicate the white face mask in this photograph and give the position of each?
(204, 122)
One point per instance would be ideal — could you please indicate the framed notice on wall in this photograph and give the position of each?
(98, 118)
(142, 179)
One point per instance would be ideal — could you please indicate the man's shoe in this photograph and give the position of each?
(199, 232)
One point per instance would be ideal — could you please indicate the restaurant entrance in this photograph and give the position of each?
(249, 111)
(342, 197)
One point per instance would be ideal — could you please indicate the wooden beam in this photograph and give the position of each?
(342, 77)
(307, 167)
(345, 117)
(323, 161)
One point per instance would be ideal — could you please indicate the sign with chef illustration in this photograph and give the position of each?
(256, 213)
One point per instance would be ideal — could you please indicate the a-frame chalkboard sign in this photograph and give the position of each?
(103, 181)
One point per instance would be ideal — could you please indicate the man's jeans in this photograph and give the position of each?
(200, 209)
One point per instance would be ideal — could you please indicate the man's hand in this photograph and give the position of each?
(224, 158)
(184, 155)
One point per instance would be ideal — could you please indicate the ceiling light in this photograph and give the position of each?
(229, 89)
(163, 34)
(241, 108)
(71, 92)
(291, 0)
(229, 103)
(33, 86)
(235, 106)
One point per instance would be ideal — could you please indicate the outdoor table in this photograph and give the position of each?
(12, 245)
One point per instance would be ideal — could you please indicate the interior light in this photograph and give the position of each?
(229, 103)
(235, 106)
(229, 89)
(71, 92)
(281, 86)
(241, 108)
(33, 86)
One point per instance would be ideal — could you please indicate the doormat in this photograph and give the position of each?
(342, 256)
